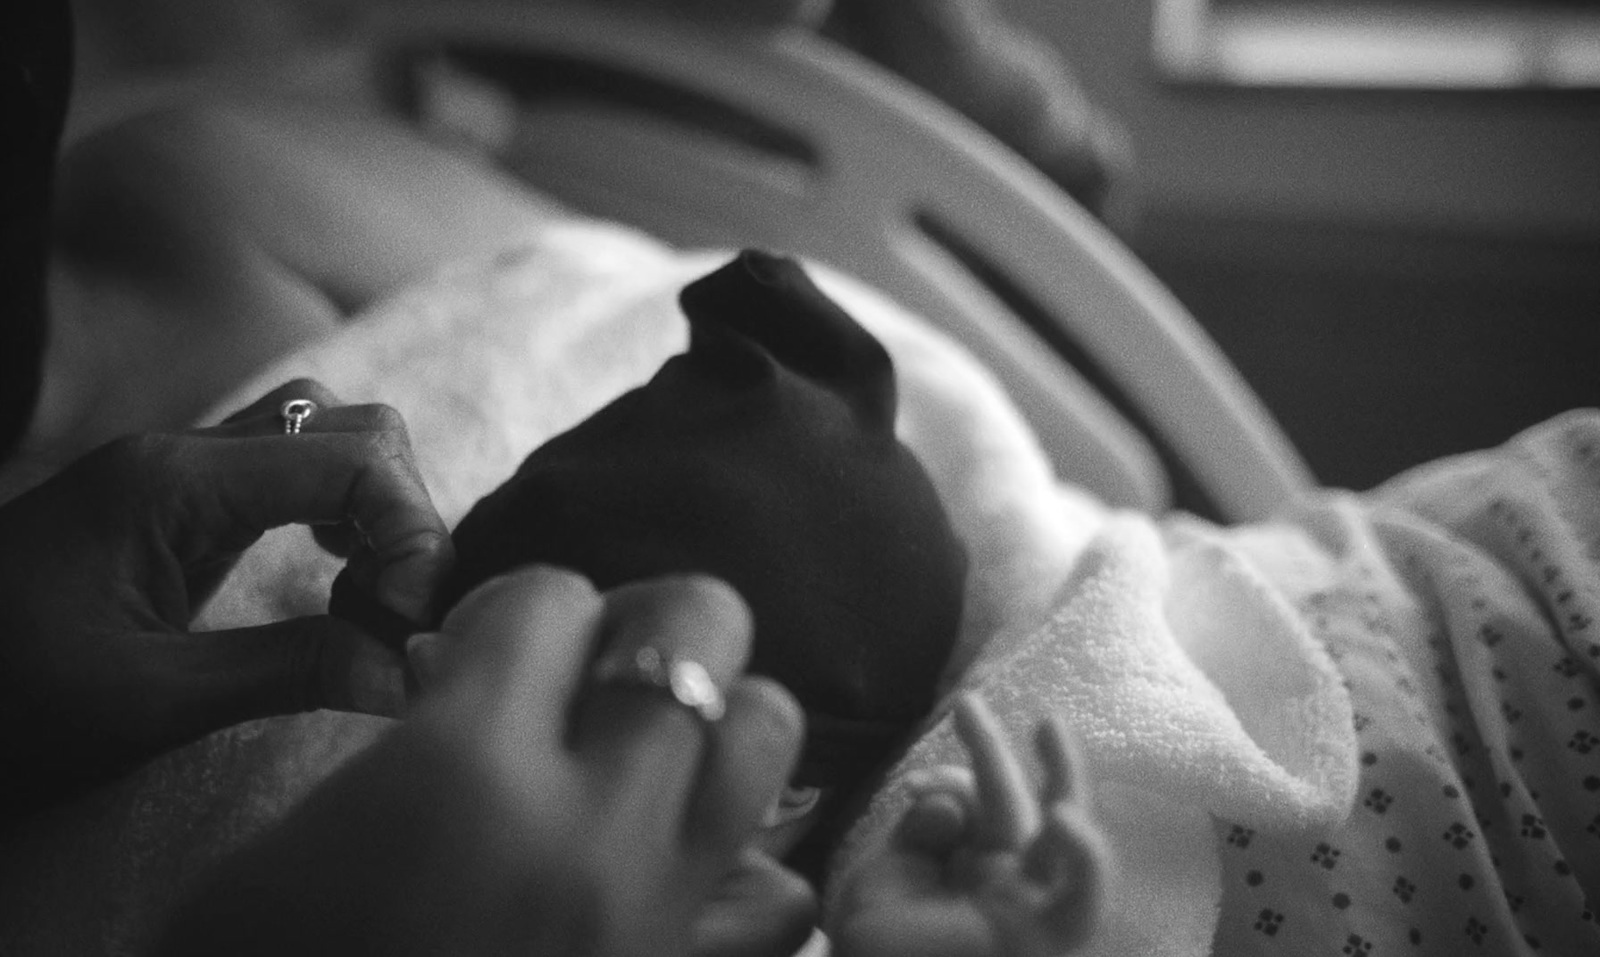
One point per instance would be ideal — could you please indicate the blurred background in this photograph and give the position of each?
(1387, 212)
(1397, 242)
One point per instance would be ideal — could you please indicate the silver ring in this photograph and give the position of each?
(295, 413)
(686, 682)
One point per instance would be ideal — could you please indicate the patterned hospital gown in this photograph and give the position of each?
(1461, 602)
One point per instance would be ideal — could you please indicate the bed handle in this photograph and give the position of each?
(781, 139)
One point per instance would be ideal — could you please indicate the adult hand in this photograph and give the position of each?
(758, 906)
(103, 566)
(525, 807)
(979, 867)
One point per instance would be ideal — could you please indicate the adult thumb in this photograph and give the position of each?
(221, 678)
(159, 690)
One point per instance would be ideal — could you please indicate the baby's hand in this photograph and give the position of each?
(979, 866)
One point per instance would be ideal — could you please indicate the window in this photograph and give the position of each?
(1417, 44)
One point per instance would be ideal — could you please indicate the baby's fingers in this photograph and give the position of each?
(1065, 777)
(942, 799)
(1071, 864)
(1007, 814)
(1069, 859)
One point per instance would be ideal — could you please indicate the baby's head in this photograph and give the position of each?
(764, 455)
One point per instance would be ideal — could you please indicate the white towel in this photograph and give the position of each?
(1196, 693)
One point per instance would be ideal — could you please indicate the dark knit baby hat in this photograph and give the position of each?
(764, 455)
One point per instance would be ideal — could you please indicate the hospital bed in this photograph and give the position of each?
(780, 139)
(726, 138)
(1255, 701)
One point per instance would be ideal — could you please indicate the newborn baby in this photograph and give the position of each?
(764, 455)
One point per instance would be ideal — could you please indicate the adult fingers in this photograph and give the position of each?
(227, 491)
(193, 684)
(265, 418)
(1007, 816)
(748, 759)
(265, 415)
(637, 735)
(760, 909)
(516, 648)
(427, 654)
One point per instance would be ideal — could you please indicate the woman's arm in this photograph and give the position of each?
(196, 244)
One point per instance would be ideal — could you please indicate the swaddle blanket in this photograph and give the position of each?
(1302, 735)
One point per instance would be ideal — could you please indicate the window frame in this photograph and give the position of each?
(1481, 46)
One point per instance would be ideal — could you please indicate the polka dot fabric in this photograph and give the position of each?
(1460, 602)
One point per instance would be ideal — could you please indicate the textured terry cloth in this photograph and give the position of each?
(764, 455)
(1196, 692)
